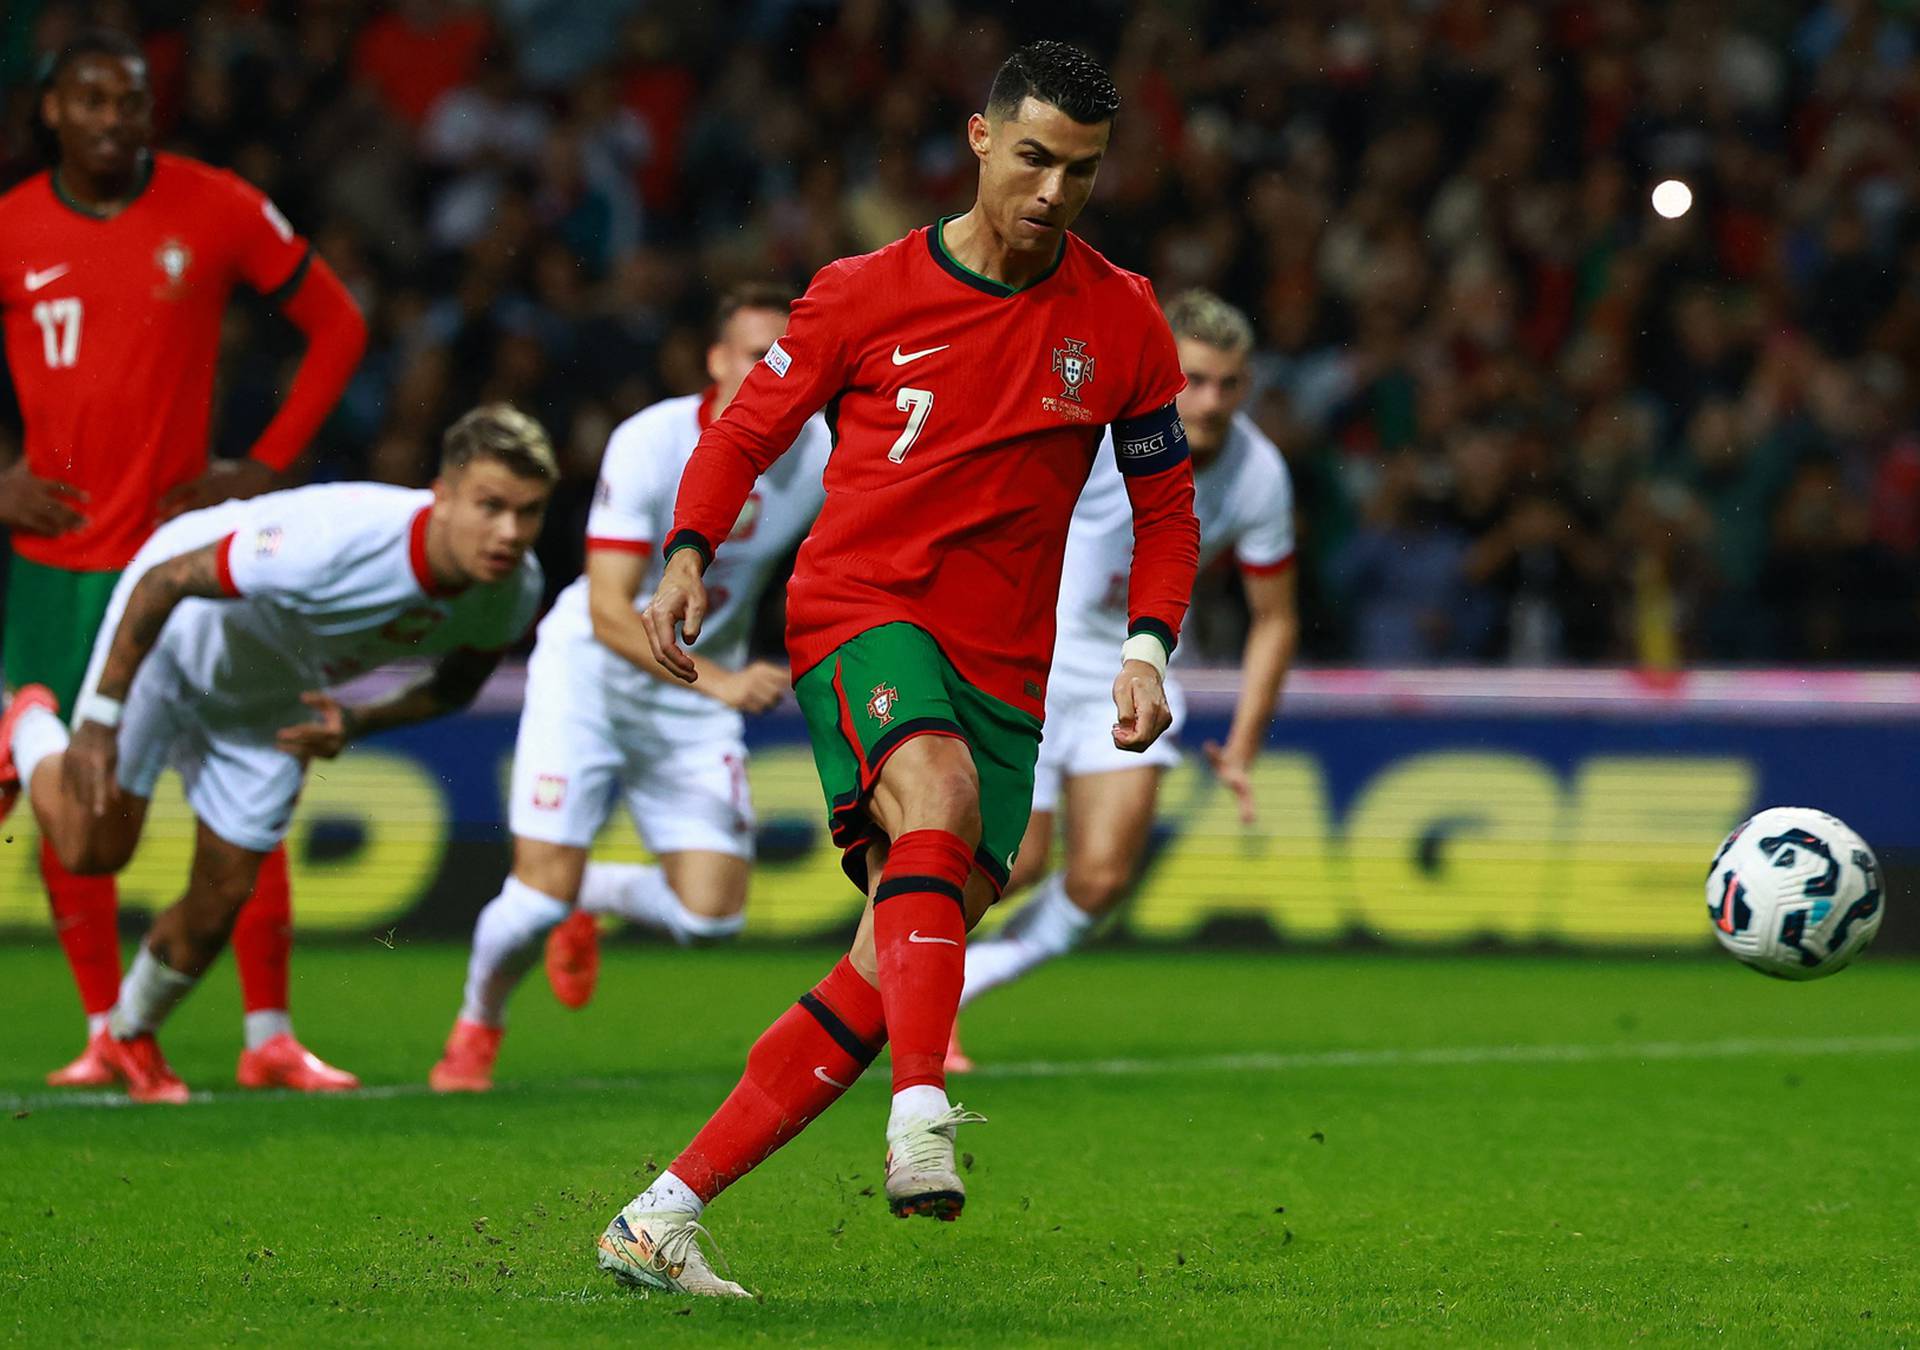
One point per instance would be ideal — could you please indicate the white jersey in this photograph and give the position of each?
(633, 511)
(1244, 501)
(327, 582)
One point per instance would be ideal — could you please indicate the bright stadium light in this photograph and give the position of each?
(1672, 198)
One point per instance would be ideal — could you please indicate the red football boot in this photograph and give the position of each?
(467, 1063)
(285, 1063)
(140, 1065)
(29, 696)
(573, 959)
(90, 1070)
(957, 1059)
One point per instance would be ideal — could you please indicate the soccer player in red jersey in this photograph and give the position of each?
(115, 270)
(968, 372)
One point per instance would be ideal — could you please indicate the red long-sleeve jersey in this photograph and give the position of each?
(965, 418)
(112, 330)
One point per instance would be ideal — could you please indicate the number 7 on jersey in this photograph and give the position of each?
(916, 404)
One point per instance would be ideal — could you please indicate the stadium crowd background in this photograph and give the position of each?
(1528, 420)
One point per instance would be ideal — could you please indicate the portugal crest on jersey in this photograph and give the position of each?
(881, 703)
(173, 258)
(1074, 367)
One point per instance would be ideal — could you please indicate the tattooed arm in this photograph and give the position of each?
(189, 575)
(448, 687)
(94, 754)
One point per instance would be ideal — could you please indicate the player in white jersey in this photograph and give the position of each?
(220, 638)
(603, 721)
(1244, 501)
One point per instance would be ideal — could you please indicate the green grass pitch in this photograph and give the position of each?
(1185, 1148)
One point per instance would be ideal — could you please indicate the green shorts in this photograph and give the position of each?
(880, 690)
(51, 618)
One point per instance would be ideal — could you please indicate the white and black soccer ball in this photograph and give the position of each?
(1795, 893)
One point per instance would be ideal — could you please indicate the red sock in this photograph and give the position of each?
(86, 915)
(263, 937)
(920, 938)
(797, 1069)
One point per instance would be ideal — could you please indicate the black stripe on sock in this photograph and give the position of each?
(892, 886)
(842, 1033)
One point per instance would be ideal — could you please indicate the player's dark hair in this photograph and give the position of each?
(1059, 75)
(750, 295)
(502, 433)
(87, 42)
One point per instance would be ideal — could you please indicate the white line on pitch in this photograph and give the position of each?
(1438, 1056)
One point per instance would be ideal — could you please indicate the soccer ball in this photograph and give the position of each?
(1794, 893)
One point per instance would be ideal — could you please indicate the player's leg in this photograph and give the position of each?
(799, 1067)
(242, 793)
(1036, 849)
(696, 897)
(566, 767)
(33, 747)
(808, 1058)
(1109, 818)
(182, 943)
(51, 616)
(507, 940)
(690, 805)
(1002, 746)
(272, 1056)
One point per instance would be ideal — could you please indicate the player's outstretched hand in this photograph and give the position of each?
(1232, 773)
(224, 480)
(754, 688)
(679, 603)
(1140, 699)
(322, 738)
(90, 764)
(38, 505)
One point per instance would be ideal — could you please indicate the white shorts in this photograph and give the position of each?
(239, 784)
(575, 751)
(1079, 741)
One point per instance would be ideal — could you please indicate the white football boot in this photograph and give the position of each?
(661, 1250)
(921, 1177)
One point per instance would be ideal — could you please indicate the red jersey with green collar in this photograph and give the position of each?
(966, 417)
(113, 333)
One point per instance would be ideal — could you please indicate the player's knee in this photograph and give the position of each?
(95, 854)
(1097, 887)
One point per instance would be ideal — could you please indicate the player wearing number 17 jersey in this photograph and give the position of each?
(968, 372)
(116, 266)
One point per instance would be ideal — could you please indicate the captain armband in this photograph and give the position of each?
(1151, 443)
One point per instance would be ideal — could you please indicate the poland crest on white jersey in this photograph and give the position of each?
(1244, 501)
(633, 512)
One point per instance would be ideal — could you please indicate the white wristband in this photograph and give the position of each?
(98, 708)
(1145, 647)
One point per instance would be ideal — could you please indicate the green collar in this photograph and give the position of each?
(959, 271)
(142, 177)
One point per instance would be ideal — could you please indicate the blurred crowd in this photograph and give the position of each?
(1528, 419)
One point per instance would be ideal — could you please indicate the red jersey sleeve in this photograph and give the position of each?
(1150, 444)
(1159, 378)
(800, 374)
(267, 254)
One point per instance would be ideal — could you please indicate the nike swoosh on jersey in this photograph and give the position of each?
(901, 358)
(35, 280)
(820, 1072)
(915, 936)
